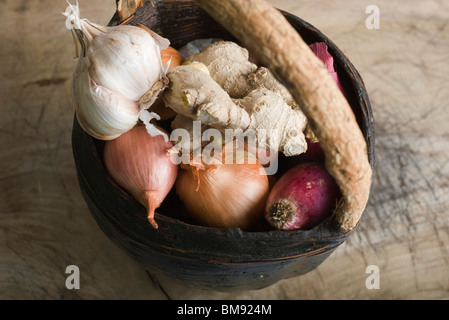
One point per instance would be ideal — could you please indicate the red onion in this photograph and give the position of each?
(320, 50)
(302, 198)
(140, 164)
(314, 152)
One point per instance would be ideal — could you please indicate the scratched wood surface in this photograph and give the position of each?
(45, 225)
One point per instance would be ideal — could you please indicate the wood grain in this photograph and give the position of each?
(45, 225)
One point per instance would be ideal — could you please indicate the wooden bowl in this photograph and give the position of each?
(200, 256)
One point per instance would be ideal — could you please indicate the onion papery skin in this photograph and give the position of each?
(302, 198)
(224, 195)
(141, 165)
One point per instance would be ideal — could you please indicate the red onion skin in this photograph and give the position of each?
(321, 51)
(139, 163)
(314, 152)
(302, 198)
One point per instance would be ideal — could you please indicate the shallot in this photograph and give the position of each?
(302, 198)
(141, 165)
(171, 58)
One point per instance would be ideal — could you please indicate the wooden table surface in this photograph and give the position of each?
(45, 225)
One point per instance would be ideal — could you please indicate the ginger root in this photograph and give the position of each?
(195, 139)
(221, 88)
(268, 111)
(229, 66)
(193, 93)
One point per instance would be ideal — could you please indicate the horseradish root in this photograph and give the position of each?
(140, 164)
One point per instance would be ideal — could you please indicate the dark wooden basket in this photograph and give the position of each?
(195, 255)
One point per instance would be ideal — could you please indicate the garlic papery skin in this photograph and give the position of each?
(102, 113)
(118, 75)
(126, 60)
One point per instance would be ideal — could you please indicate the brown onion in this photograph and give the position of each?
(140, 164)
(224, 194)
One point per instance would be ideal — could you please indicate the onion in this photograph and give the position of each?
(140, 164)
(314, 152)
(170, 58)
(302, 198)
(321, 51)
(225, 194)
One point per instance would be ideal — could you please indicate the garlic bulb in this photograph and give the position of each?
(118, 76)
